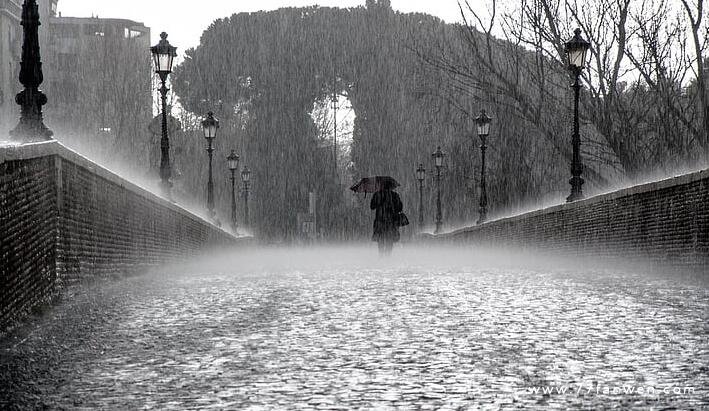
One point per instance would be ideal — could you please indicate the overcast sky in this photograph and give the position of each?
(184, 21)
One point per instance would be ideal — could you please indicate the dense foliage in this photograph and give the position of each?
(261, 73)
(414, 83)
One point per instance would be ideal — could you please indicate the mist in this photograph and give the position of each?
(324, 327)
(323, 155)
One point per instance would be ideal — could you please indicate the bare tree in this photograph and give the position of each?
(632, 125)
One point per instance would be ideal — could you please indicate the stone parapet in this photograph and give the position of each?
(65, 219)
(665, 223)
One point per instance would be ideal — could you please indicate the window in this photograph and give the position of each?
(91, 29)
(64, 91)
(66, 30)
(66, 62)
(14, 44)
(131, 34)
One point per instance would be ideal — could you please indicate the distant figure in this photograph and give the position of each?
(386, 227)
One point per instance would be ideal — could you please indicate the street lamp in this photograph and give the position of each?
(210, 125)
(31, 126)
(483, 125)
(576, 50)
(334, 100)
(232, 162)
(420, 176)
(163, 56)
(246, 178)
(438, 157)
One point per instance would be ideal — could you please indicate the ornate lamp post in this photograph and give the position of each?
(246, 178)
(576, 50)
(31, 126)
(210, 125)
(483, 125)
(420, 176)
(163, 56)
(232, 162)
(334, 101)
(438, 157)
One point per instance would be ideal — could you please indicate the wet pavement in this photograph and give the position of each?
(342, 329)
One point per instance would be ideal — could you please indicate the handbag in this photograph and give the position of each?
(401, 219)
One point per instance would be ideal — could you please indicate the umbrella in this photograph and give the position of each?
(374, 184)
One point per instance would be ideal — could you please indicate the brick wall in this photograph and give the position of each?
(665, 223)
(28, 233)
(64, 219)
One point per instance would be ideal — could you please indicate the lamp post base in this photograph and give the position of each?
(166, 187)
(574, 197)
(576, 190)
(32, 136)
(31, 128)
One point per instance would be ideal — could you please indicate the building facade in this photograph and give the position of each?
(97, 77)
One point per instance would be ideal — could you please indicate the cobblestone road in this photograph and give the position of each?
(341, 329)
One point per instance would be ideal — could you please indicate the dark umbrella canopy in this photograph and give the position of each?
(374, 184)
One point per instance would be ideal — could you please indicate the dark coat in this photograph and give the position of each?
(387, 205)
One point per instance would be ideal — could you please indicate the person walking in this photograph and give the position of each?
(388, 207)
